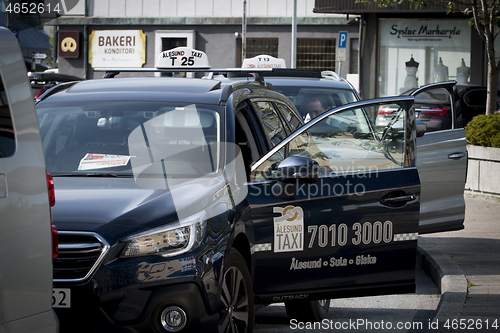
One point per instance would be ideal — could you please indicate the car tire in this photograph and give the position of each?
(307, 311)
(236, 312)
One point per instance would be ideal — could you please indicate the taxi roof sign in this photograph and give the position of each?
(264, 61)
(182, 58)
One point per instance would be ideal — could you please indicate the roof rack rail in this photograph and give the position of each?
(231, 72)
(257, 74)
(111, 72)
(331, 74)
(55, 89)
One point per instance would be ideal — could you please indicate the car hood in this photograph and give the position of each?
(93, 204)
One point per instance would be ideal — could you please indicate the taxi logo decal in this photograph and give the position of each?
(288, 229)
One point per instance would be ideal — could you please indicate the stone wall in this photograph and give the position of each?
(483, 174)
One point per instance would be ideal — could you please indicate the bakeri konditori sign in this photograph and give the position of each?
(117, 48)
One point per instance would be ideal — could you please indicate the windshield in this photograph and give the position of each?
(129, 138)
(303, 97)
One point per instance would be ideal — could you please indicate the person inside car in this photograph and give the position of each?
(317, 105)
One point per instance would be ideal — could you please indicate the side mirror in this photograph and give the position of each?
(421, 128)
(298, 168)
(294, 169)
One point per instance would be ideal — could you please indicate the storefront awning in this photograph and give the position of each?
(351, 7)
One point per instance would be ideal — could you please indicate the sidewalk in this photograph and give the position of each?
(476, 251)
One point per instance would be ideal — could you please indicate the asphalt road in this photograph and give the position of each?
(411, 312)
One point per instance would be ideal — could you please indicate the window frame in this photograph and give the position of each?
(9, 121)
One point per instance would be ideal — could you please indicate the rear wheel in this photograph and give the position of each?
(308, 310)
(236, 313)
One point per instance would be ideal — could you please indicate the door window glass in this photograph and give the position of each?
(7, 139)
(434, 108)
(346, 142)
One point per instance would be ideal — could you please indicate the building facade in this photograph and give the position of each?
(403, 48)
(106, 30)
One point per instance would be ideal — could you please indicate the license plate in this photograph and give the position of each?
(61, 298)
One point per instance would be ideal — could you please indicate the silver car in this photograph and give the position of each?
(26, 245)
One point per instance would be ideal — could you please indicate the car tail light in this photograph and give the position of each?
(52, 202)
(39, 93)
(50, 187)
(435, 111)
(55, 243)
(384, 110)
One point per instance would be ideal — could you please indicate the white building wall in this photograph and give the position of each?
(201, 8)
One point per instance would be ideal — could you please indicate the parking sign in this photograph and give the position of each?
(342, 42)
(341, 46)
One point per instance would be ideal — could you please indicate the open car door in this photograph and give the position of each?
(441, 158)
(335, 207)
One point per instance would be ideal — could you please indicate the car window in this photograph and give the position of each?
(345, 142)
(433, 107)
(7, 138)
(476, 98)
(301, 96)
(122, 138)
(270, 121)
(290, 118)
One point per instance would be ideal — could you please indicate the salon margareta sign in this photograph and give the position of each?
(417, 33)
(117, 48)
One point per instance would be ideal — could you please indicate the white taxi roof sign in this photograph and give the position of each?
(182, 58)
(264, 61)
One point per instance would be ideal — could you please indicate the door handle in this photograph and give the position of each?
(456, 156)
(397, 201)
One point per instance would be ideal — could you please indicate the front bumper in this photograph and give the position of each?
(106, 317)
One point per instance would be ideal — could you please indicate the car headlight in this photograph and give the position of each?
(167, 240)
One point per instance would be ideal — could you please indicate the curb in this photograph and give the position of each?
(448, 277)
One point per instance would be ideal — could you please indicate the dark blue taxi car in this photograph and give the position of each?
(184, 203)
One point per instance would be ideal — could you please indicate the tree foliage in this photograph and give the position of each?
(485, 19)
(484, 130)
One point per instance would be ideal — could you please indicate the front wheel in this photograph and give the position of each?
(308, 311)
(236, 313)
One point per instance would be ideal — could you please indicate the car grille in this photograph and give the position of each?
(80, 253)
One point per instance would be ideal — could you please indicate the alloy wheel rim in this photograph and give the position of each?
(233, 313)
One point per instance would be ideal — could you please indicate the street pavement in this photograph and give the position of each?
(364, 314)
(476, 252)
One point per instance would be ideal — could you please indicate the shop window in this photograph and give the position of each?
(166, 40)
(354, 56)
(314, 53)
(414, 53)
(171, 43)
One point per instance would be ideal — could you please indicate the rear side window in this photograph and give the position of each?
(7, 138)
(476, 98)
(292, 121)
(271, 123)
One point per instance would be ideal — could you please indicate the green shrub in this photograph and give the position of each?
(484, 131)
